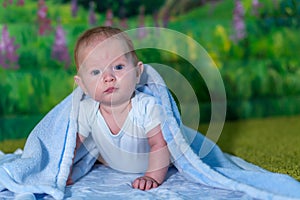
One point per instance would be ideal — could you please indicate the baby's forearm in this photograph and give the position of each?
(158, 175)
(79, 141)
(159, 160)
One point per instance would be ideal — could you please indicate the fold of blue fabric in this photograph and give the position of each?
(47, 155)
(44, 165)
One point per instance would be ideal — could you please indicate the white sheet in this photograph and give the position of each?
(104, 183)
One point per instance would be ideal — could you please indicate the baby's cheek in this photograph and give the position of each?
(97, 95)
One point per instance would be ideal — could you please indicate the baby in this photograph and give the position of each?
(124, 123)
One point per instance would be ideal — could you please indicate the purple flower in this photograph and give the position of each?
(8, 55)
(142, 31)
(21, 2)
(43, 21)
(123, 23)
(10, 2)
(59, 49)
(109, 18)
(5, 2)
(123, 18)
(156, 18)
(92, 15)
(74, 8)
(166, 18)
(255, 7)
(238, 22)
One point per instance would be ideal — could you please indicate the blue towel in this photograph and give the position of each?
(44, 165)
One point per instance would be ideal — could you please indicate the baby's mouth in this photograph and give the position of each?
(110, 90)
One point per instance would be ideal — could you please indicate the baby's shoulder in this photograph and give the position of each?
(144, 99)
(88, 105)
(144, 103)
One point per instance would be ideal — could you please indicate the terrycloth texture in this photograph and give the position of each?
(114, 185)
(45, 163)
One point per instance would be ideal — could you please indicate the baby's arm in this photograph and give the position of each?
(79, 140)
(159, 160)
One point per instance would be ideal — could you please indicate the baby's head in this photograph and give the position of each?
(92, 38)
(107, 66)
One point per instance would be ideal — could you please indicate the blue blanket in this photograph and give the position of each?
(44, 165)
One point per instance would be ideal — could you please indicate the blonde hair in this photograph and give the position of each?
(100, 32)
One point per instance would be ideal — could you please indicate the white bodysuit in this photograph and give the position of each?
(128, 150)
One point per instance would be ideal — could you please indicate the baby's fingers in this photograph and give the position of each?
(136, 183)
(144, 183)
(150, 184)
(141, 184)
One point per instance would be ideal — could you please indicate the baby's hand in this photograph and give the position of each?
(145, 183)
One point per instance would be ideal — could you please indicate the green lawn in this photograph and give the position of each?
(9, 146)
(272, 143)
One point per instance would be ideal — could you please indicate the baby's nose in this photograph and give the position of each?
(108, 75)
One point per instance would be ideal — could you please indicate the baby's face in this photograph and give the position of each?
(106, 74)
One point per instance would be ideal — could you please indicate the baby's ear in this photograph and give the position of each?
(78, 81)
(140, 69)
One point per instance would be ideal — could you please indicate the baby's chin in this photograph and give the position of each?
(115, 103)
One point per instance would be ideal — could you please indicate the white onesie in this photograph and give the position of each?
(128, 150)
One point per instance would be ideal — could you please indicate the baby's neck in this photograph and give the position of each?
(115, 116)
(115, 109)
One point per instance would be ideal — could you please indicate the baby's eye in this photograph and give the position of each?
(95, 72)
(118, 67)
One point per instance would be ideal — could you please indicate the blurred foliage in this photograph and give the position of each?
(33, 92)
(121, 8)
(285, 14)
(17, 127)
